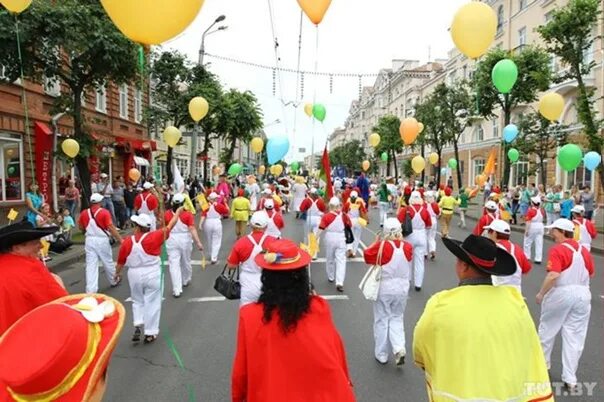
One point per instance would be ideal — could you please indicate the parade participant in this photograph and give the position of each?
(33, 201)
(355, 208)
(141, 254)
(500, 231)
(275, 219)
(420, 220)
(394, 255)
(346, 193)
(223, 189)
(97, 224)
(333, 224)
(268, 194)
(384, 202)
(253, 192)
(451, 339)
(147, 203)
(70, 361)
(463, 207)
(434, 211)
(243, 255)
(487, 218)
(585, 229)
(284, 191)
(299, 189)
(314, 208)
(240, 212)
(534, 230)
(363, 185)
(180, 245)
(565, 299)
(211, 224)
(288, 321)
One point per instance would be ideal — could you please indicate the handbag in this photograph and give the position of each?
(348, 234)
(227, 284)
(407, 225)
(370, 284)
(111, 239)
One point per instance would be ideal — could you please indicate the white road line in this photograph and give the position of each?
(334, 297)
(129, 300)
(206, 299)
(601, 296)
(363, 245)
(356, 259)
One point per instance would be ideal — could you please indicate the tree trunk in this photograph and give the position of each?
(507, 166)
(543, 173)
(438, 167)
(388, 167)
(395, 165)
(459, 179)
(169, 172)
(423, 171)
(80, 161)
(206, 148)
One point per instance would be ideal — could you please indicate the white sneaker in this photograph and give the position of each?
(399, 358)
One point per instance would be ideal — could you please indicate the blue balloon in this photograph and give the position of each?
(443, 171)
(591, 160)
(276, 149)
(510, 132)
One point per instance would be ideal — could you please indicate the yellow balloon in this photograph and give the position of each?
(473, 29)
(308, 109)
(418, 164)
(421, 127)
(374, 140)
(409, 130)
(216, 170)
(257, 144)
(276, 170)
(172, 136)
(70, 147)
(198, 108)
(314, 9)
(433, 158)
(366, 165)
(262, 169)
(551, 106)
(362, 222)
(134, 174)
(16, 6)
(152, 22)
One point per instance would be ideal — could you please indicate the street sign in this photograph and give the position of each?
(301, 150)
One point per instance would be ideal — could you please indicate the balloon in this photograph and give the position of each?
(510, 132)
(374, 140)
(421, 127)
(362, 222)
(319, 112)
(70, 147)
(261, 169)
(277, 148)
(10, 170)
(551, 106)
(216, 171)
(314, 9)
(513, 154)
(16, 6)
(172, 136)
(433, 158)
(10, 152)
(294, 166)
(409, 130)
(443, 171)
(276, 170)
(480, 180)
(473, 29)
(198, 108)
(134, 174)
(452, 163)
(366, 165)
(504, 75)
(384, 156)
(591, 160)
(569, 157)
(308, 109)
(257, 144)
(418, 164)
(235, 169)
(153, 21)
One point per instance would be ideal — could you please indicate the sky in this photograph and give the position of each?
(355, 36)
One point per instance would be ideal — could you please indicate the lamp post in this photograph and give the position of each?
(202, 49)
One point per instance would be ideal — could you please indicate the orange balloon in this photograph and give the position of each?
(409, 130)
(314, 9)
(134, 174)
(480, 180)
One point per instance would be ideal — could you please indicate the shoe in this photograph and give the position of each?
(116, 283)
(150, 338)
(136, 337)
(187, 283)
(399, 358)
(432, 256)
(418, 288)
(213, 262)
(570, 387)
(350, 254)
(330, 280)
(176, 295)
(340, 288)
(538, 262)
(381, 362)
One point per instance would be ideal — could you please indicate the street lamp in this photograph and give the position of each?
(202, 49)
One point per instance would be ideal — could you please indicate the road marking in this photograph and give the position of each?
(334, 297)
(601, 296)
(129, 300)
(363, 245)
(206, 299)
(356, 259)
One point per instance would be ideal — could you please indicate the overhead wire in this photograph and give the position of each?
(277, 68)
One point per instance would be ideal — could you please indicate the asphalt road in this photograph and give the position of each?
(202, 329)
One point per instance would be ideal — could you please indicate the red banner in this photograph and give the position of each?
(44, 160)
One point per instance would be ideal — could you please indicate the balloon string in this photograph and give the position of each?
(298, 84)
(277, 68)
(25, 106)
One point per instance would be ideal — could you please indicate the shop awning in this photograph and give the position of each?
(137, 144)
(140, 161)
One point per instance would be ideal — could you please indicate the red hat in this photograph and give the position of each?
(282, 255)
(241, 192)
(60, 350)
(408, 190)
(448, 191)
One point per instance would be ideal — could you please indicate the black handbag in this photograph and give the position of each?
(348, 234)
(407, 226)
(227, 284)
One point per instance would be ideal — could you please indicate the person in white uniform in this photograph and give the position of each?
(565, 299)
(434, 211)
(97, 223)
(147, 203)
(274, 219)
(585, 230)
(299, 189)
(180, 246)
(253, 191)
(355, 208)
(314, 208)
(211, 224)
(395, 256)
(534, 230)
(333, 224)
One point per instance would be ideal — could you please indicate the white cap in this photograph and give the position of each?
(313, 190)
(392, 226)
(178, 198)
(104, 175)
(562, 224)
(536, 199)
(147, 185)
(354, 194)
(491, 205)
(142, 220)
(578, 209)
(415, 198)
(96, 198)
(429, 194)
(267, 191)
(265, 186)
(259, 220)
(212, 196)
(334, 202)
(269, 204)
(499, 226)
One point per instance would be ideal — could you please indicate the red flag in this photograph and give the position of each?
(326, 172)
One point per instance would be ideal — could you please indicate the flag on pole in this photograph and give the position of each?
(326, 173)
(179, 187)
(489, 167)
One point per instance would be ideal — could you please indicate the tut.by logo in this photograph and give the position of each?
(559, 388)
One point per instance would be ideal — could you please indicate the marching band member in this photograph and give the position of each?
(275, 219)
(355, 208)
(585, 228)
(211, 223)
(299, 189)
(434, 211)
(534, 230)
(147, 203)
(268, 194)
(314, 208)
(333, 224)
(487, 218)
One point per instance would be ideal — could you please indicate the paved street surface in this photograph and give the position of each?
(203, 328)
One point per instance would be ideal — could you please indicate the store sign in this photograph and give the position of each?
(44, 160)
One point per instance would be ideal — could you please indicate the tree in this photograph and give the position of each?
(73, 42)
(534, 76)
(349, 156)
(568, 35)
(390, 140)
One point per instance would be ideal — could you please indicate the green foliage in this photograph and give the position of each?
(390, 139)
(350, 156)
(407, 169)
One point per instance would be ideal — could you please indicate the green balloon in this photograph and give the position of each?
(452, 163)
(11, 170)
(384, 156)
(319, 112)
(295, 165)
(235, 169)
(513, 154)
(570, 157)
(504, 75)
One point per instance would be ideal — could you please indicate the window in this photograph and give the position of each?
(124, 101)
(138, 106)
(522, 4)
(101, 99)
(496, 128)
(553, 63)
(52, 86)
(477, 169)
(11, 163)
(522, 36)
(478, 134)
(500, 19)
(579, 177)
(520, 171)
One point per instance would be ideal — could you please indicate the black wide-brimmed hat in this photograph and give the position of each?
(483, 254)
(22, 232)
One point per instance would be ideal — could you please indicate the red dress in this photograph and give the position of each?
(306, 365)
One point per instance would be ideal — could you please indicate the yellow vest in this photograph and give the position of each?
(240, 210)
(447, 204)
(479, 343)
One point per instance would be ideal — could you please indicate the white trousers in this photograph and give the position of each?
(98, 249)
(145, 291)
(551, 217)
(534, 235)
(566, 309)
(384, 207)
(335, 257)
(431, 236)
(179, 257)
(388, 325)
(213, 231)
(357, 230)
(418, 241)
